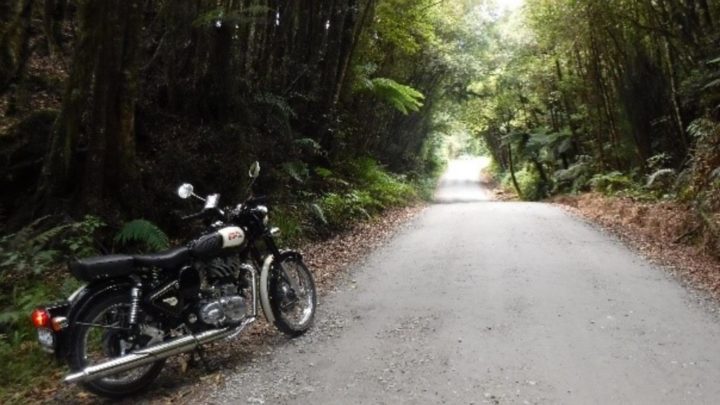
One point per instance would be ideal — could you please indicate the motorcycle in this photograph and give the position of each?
(135, 311)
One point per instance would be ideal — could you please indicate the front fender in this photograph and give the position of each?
(264, 274)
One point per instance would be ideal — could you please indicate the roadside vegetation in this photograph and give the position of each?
(621, 98)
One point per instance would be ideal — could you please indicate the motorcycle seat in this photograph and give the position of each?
(169, 259)
(102, 267)
(110, 266)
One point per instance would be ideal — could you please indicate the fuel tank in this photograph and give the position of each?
(210, 245)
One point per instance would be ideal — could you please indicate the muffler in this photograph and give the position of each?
(154, 353)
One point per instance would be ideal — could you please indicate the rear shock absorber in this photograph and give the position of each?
(135, 295)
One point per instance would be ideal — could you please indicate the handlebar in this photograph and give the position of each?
(193, 216)
(205, 214)
(262, 199)
(211, 207)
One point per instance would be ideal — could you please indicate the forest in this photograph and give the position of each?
(350, 106)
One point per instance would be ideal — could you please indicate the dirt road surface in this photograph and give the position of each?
(494, 302)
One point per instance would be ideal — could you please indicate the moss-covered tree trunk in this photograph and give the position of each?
(15, 18)
(92, 153)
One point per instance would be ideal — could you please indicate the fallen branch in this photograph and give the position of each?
(687, 234)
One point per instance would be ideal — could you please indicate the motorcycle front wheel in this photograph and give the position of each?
(101, 334)
(293, 298)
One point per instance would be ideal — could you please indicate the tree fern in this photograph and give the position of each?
(402, 97)
(144, 232)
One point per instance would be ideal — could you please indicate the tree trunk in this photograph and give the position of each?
(512, 172)
(14, 40)
(98, 112)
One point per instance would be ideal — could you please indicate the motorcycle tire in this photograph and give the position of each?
(284, 300)
(117, 303)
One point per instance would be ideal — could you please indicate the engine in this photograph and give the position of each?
(224, 291)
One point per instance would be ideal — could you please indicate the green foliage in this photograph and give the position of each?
(318, 213)
(323, 172)
(576, 177)
(27, 257)
(143, 232)
(368, 191)
(402, 97)
(37, 246)
(277, 104)
(290, 222)
(610, 183)
(530, 183)
(426, 186)
(29, 249)
(22, 359)
(342, 210)
(221, 15)
(80, 242)
(309, 145)
(661, 179)
(297, 171)
(386, 189)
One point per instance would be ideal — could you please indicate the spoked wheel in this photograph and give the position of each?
(101, 335)
(293, 296)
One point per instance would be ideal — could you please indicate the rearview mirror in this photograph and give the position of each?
(185, 191)
(254, 170)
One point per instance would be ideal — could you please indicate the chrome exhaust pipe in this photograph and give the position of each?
(154, 353)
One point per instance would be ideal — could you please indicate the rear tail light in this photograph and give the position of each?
(40, 318)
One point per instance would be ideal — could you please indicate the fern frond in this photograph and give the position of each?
(277, 103)
(298, 171)
(661, 177)
(402, 97)
(143, 231)
(42, 240)
(25, 235)
(319, 213)
(309, 144)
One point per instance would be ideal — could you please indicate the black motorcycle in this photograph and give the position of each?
(135, 311)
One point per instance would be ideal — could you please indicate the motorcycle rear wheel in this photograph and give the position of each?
(100, 337)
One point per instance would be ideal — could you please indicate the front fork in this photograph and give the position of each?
(272, 247)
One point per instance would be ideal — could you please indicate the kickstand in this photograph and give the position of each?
(201, 355)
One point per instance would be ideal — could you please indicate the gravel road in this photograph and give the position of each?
(495, 302)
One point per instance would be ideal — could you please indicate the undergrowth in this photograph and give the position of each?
(32, 273)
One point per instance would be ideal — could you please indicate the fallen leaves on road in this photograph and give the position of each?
(329, 258)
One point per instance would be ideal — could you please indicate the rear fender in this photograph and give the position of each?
(81, 301)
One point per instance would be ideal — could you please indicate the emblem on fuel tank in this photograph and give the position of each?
(232, 236)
